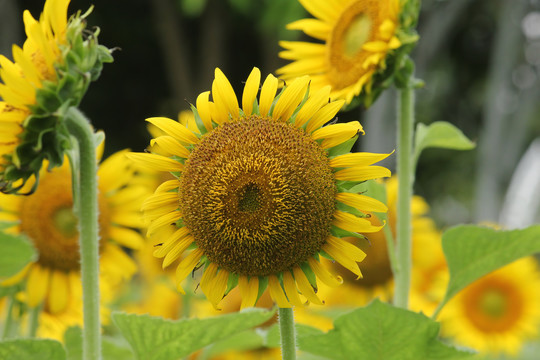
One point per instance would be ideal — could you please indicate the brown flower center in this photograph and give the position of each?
(258, 196)
(48, 220)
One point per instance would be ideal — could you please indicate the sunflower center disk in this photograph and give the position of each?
(48, 220)
(494, 306)
(258, 196)
(356, 26)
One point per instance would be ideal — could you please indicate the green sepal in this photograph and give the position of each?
(198, 120)
(343, 148)
(232, 282)
(340, 233)
(263, 284)
(309, 274)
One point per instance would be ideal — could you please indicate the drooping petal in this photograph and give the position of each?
(276, 292)
(250, 91)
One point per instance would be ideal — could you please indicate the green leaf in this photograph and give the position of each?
(154, 338)
(474, 251)
(32, 349)
(440, 134)
(15, 253)
(112, 348)
(380, 331)
(242, 341)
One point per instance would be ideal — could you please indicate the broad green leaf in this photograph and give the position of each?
(242, 341)
(380, 331)
(154, 338)
(32, 349)
(111, 348)
(440, 134)
(474, 251)
(15, 253)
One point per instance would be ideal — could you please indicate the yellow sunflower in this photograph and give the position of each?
(46, 218)
(358, 38)
(260, 191)
(44, 77)
(499, 312)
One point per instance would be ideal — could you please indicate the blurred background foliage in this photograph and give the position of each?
(480, 60)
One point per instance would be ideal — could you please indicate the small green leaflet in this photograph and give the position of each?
(381, 331)
(439, 134)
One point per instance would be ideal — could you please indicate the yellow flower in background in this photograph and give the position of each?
(44, 79)
(499, 312)
(356, 39)
(259, 191)
(46, 218)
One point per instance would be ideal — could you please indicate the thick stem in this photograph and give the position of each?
(287, 332)
(87, 212)
(406, 178)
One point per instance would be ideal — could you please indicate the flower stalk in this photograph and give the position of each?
(87, 212)
(405, 123)
(287, 333)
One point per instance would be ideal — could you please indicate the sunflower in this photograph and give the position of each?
(51, 72)
(259, 192)
(359, 46)
(499, 312)
(47, 219)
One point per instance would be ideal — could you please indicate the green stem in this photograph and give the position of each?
(87, 211)
(406, 178)
(33, 320)
(9, 317)
(287, 333)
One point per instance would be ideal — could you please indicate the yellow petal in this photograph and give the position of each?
(322, 9)
(305, 287)
(203, 108)
(168, 186)
(347, 131)
(169, 146)
(58, 292)
(290, 289)
(276, 292)
(218, 288)
(345, 259)
(268, 93)
(37, 284)
(207, 278)
(361, 202)
(357, 159)
(290, 99)
(155, 162)
(312, 27)
(362, 173)
(224, 96)
(346, 248)
(126, 237)
(249, 290)
(171, 241)
(325, 114)
(186, 266)
(298, 49)
(177, 250)
(164, 220)
(160, 199)
(174, 129)
(312, 105)
(323, 274)
(349, 222)
(250, 91)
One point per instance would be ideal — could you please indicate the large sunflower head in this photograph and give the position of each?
(261, 192)
(46, 218)
(499, 312)
(51, 72)
(361, 44)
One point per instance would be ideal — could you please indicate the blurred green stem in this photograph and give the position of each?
(405, 123)
(33, 320)
(287, 333)
(9, 317)
(87, 212)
